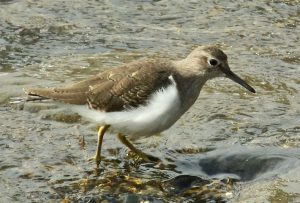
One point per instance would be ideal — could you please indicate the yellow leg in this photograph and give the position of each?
(101, 133)
(145, 157)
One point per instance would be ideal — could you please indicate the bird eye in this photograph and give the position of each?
(213, 62)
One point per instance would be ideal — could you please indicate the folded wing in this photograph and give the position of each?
(117, 89)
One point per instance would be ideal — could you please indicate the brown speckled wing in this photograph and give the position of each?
(123, 87)
(129, 86)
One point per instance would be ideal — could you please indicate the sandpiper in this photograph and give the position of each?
(142, 98)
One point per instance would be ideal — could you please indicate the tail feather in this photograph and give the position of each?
(66, 95)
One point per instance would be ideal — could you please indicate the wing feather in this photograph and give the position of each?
(131, 90)
(117, 89)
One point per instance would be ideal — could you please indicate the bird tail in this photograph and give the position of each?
(34, 94)
(70, 96)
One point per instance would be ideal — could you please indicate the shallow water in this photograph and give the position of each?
(230, 146)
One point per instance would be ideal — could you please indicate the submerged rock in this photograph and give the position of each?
(60, 115)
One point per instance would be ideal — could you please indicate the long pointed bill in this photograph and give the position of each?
(231, 75)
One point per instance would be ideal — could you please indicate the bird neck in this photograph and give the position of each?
(189, 87)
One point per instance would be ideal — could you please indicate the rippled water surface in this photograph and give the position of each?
(230, 146)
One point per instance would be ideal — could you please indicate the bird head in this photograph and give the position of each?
(211, 62)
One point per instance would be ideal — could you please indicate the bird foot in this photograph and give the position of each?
(146, 157)
(95, 159)
(151, 158)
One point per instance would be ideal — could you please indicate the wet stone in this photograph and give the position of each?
(245, 167)
(133, 198)
(181, 183)
(197, 189)
(96, 199)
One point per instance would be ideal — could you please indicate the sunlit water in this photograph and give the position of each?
(231, 146)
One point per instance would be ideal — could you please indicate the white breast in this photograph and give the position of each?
(162, 111)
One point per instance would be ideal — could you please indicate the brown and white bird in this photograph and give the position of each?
(144, 97)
